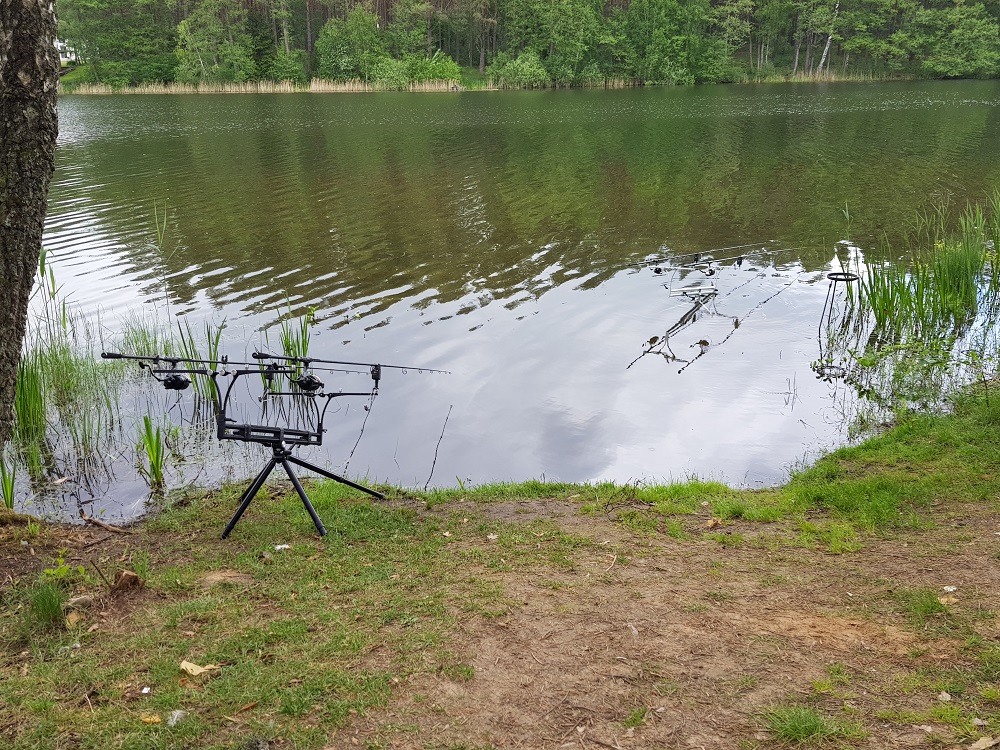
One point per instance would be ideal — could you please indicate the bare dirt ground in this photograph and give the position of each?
(651, 642)
(684, 644)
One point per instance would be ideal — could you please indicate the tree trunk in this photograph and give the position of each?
(29, 73)
(309, 28)
(430, 36)
(798, 45)
(829, 39)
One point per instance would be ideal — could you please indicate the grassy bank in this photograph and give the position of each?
(815, 610)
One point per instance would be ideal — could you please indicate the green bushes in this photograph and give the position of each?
(288, 66)
(352, 49)
(525, 71)
(440, 67)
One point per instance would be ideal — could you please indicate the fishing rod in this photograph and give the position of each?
(698, 255)
(374, 368)
(173, 361)
(174, 376)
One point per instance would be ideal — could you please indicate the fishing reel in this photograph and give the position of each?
(308, 383)
(171, 378)
(175, 381)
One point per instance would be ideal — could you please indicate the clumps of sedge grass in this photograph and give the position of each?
(916, 329)
(805, 725)
(190, 348)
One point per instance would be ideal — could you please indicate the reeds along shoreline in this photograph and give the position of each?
(316, 86)
(358, 86)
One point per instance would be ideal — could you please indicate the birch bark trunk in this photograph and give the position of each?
(29, 74)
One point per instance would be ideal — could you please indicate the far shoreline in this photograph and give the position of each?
(319, 86)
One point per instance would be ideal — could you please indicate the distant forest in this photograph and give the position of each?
(528, 43)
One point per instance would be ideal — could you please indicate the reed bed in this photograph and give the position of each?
(951, 278)
(916, 330)
(8, 476)
(316, 86)
(190, 348)
(78, 416)
(247, 87)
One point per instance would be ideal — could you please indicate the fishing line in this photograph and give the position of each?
(434, 463)
(690, 317)
(368, 412)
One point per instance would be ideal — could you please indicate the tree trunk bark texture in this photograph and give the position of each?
(29, 72)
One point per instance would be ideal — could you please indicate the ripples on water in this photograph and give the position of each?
(491, 234)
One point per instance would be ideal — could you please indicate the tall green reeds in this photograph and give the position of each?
(8, 475)
(929, 316)
(294, 335)
(153, 445)
(190, 348)
(952, 272)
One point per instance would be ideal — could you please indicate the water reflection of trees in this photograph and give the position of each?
(344, 199)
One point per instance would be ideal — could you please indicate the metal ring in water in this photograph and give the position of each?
(842, 276)
(831, 371)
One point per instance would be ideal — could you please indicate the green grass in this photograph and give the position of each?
(29, 400)
(920, 605)
(802, 725)
(313, 636)
(44, 611)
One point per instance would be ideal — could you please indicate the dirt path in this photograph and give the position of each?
(659, 643)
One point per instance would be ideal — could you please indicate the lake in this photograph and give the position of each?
(493, 235)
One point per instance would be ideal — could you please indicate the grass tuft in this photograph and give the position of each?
(801, 724)
(45, 607)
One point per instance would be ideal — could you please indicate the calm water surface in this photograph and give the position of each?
(491, 234)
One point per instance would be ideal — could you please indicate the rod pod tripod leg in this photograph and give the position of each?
(284, 457)
(249, 493)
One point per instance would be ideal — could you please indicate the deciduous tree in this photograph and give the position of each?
(29, 72)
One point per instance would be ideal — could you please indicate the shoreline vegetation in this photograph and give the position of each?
(357, 86)
(394, 44)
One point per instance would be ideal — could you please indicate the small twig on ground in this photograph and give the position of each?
(94, 543)
(101, 574)
(101, 524)
(559, 703)
(614, 559)
(602, 743)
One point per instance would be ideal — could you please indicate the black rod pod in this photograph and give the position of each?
(173, 372)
